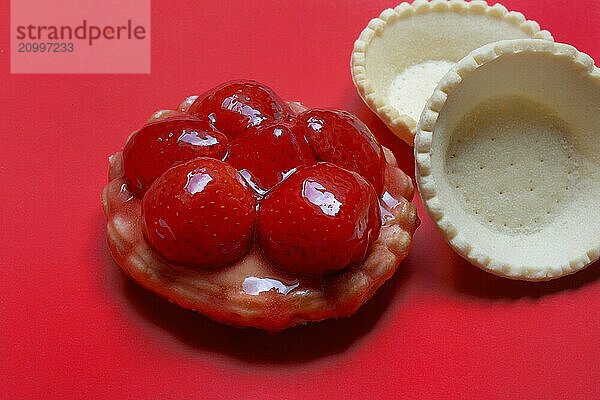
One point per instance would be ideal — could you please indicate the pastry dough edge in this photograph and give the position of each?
(402, 125)
(426, 182)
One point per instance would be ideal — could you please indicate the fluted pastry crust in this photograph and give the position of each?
(231, 295)
(507, 158)
(423, 32)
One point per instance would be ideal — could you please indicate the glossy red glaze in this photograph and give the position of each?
(341, 138)
(236, 106)
(266, 156)
(320, 219)
(199, 213)
(160, 145)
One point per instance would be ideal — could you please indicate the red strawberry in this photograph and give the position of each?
(238, 105)
(199, 214)
(160, 145)
(266, 156)
(341, 138)
(322, 218)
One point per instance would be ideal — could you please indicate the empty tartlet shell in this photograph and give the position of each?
(562, 86)
(372, 86)
(222, 295)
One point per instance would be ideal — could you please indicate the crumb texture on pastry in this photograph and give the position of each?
(400, 56)
(512, 164)
(411, 88)
(508, 159)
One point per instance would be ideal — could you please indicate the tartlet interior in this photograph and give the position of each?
(515, 157)
(413, 47)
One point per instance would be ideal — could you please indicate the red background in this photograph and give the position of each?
(71, 325)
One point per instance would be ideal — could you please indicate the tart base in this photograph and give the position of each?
(252, 292)
(507, 159)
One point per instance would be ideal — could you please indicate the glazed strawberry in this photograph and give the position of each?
(165, 143)
(266, 156)
(200, 214)
(341, 138)
(236, 106)
(320, 219)
(325, 202)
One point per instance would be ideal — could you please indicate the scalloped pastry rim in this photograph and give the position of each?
(144, 267)
(402, 125)
(423, 145)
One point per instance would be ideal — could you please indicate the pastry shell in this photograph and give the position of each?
(507, 158)
(401, 55)
(251, 292)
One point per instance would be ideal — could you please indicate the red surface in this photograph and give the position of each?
(71, 325)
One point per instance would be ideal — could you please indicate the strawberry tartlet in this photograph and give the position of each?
(258, 212)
